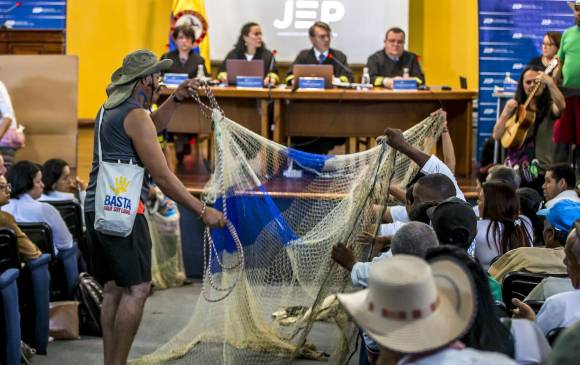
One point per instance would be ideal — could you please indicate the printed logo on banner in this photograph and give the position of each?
(301, 14)
(116, 202)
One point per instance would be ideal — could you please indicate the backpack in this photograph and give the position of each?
(90, 295)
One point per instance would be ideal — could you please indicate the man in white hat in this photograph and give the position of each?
(416, 312)
(128, 132)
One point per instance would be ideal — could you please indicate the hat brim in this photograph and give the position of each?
(543, 212)
(573, 5)
(117, 78)
(451, 319)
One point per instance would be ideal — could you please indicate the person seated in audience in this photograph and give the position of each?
(455, 224)
(549, 259)
(501, 228)
(27, 186)
(530, 203)
(185, 59)
(497, 172)
(320, 36)
(521, 339)
(2, 166)
(550, 47)
(59, 184)
(414, 238)
(559, 183)
(7, 121)
(389, 63)
(250, 46)
(411, 311)
(26, 248)
(560, 310)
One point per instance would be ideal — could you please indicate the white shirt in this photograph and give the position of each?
(359, 274)
(6, 109)
(62, 196)
(27, 210)
(565, 195)
(530, 344)
(399, 214)
(560, 310)
(249, 57)
(435, 166)
(486, 243)
(466, 356)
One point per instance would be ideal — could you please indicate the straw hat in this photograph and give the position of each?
(411, 306)
(573, 4)
(135, 66)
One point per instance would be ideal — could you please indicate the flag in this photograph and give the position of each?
(192, 12)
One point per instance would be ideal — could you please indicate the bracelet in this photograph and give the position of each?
(445, 130)
(203, 209)
(175, 99)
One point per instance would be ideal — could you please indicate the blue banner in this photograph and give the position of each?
(33, 15)
(510, 35)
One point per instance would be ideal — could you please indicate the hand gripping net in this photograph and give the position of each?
(275, 252)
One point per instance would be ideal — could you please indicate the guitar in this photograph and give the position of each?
(517, 126)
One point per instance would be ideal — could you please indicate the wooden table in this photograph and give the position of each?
(337, 113)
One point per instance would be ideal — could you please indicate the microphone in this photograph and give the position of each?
(342, 65)
(271, 66)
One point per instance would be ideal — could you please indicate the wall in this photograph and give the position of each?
(443, 32)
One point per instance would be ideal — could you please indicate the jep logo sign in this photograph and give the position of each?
(116, 202)
(301, 14)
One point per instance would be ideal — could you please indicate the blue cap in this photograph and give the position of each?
(562, 215)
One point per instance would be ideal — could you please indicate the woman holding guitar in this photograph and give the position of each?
(525, 125)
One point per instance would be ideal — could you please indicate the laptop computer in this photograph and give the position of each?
(236, 68)
(324, 71)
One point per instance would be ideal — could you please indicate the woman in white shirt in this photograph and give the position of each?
(7, 121)
(27, 186)
(59, 184)
(501, 228)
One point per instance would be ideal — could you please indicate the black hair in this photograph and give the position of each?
(418, 212)
(564, 171)
(543, 103)
(437, 187)
(487, 333)
(186, 30)
(21, 176)
(505, 174)
(240, 45)
(319, 24)
(395, 30)
(530, 201)
(51, 172)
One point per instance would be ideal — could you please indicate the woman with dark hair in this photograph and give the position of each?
(501, 228)
(25, 178)
(550, 47)
(530, 201)
(59, 184)
(519, 339)
(250, 46)
(185, 60)
(547, 103)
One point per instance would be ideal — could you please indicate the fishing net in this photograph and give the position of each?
(285, 211)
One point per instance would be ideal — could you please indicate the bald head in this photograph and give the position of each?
(414, 238)
(434, 187)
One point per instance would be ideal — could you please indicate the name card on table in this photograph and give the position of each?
(405, 84)
(249, 81)
(311, 83)
(174, 80)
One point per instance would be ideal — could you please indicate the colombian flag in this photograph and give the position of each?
(192, 12)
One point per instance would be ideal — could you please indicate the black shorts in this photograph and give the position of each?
(125, 260)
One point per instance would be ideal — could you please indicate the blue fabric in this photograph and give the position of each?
(10, 351)
(308, 160)
(69, 261)
(40, 280)
(250, 214)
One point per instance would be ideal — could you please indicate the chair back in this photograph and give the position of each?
(9, 318)
(39, 233)
(519, 284)
(553, 334)
(9, 256)
(72, 215)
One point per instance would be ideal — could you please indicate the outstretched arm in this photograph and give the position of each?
(162, 116)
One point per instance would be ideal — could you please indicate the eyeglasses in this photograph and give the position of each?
(5, 187)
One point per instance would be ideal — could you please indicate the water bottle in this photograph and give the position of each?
(406, 74)
(366, 77)
(200, 73)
